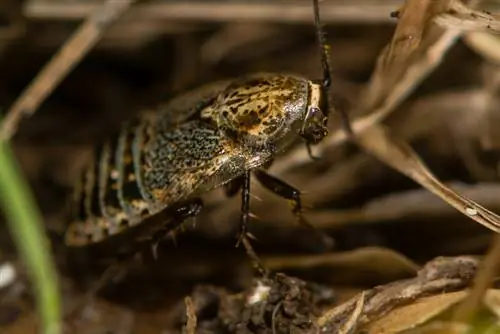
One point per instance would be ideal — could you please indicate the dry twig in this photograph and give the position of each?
(436, 276)
(62, 63)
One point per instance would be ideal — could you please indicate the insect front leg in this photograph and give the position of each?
(292, 194)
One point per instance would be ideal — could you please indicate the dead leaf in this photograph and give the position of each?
(438, 275)
(414, 314)
(369, 264)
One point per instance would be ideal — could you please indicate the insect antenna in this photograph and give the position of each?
(325, 65)
(323, 47)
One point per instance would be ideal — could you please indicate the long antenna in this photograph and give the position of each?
(323, 47)
(325, 65)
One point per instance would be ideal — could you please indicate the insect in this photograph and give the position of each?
(163, 163)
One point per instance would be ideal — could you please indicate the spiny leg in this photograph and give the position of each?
(177, 215)
(292, 194)
(234, 186)
(245, 215)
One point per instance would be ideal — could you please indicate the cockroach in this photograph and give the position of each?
(164, 162)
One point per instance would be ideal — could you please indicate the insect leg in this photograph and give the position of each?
(177, 216)
(292, 194)
(243, 236)
(234, 186)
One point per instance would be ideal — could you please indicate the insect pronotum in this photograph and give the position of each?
(163, 163)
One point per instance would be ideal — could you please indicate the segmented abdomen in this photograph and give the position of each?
(111, 196)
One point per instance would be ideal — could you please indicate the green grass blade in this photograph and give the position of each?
(25, 225)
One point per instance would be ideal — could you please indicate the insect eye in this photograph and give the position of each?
(316, 116)
(314, 112)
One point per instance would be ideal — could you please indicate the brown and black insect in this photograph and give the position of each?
(164, 162)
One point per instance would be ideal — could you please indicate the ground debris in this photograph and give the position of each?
(281, 304)
(437, 276)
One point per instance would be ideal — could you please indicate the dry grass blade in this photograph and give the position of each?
(223, 43)
(351, 322)
(403, 205)
(488, 271)
(438, 275)
(223, 11)
(487, 45)
(374, 258)
(417, 48)
(400, 156)
(351, 307)
(415, 314)
(442, 327)
(459, 16)
(190, 327)
(62, 63)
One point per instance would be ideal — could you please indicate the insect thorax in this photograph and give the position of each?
(261, 110)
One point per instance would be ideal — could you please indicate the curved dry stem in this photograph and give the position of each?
(400, 156)
(70, 54)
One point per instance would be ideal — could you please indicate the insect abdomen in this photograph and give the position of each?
(111, 196)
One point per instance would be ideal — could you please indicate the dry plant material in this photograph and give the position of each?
(364, 265)
(486, 44)
(417, 48)
(405, 205)
(490, 138)
(190, 327)
(425, 32)
(348, 324)
(279, 304)
(486, 320)
(255, 38)
(490, 267)
(399, 155)
(223, 11)
(70, 54)
(464, 18)
(441, 327)
(438, 275)
(415, 314)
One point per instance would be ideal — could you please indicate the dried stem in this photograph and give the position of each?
(418, 46)
(438, 275)
(399, 155)
(62, 63)
(191, 316)
(489, 268)
(223, 11)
